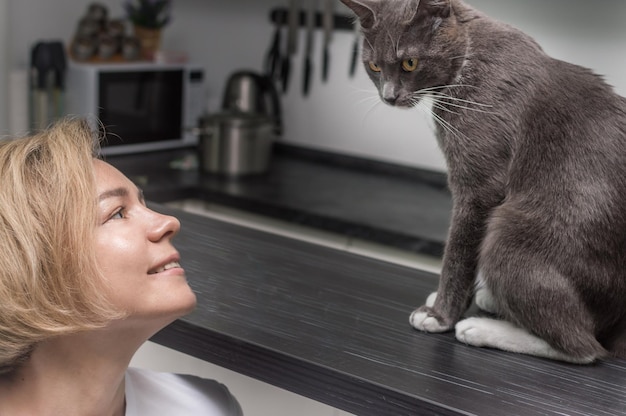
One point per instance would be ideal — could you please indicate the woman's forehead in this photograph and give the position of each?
(107, 177)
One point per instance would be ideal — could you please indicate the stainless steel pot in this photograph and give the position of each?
(238, 141)
(234, 144)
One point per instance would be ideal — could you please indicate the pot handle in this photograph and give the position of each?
(268, 86)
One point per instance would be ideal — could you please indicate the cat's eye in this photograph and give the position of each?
(374, 67)
(409, 65)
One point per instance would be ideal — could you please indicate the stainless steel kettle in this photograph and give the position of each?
(254, 94)
(238, 140)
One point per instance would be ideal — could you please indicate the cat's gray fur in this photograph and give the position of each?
(536, 156)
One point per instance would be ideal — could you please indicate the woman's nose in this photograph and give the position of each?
(163, 226)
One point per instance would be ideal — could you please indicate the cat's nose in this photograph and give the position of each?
(389, 95)
(391, 100)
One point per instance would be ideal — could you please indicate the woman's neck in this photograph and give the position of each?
(82, 374)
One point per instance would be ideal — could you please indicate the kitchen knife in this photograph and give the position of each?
(355, 49)
(328, 23)
(310, 36)
(273, 60)
(293, 22)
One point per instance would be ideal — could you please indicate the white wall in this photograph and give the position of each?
(339, 116)
(344, 114)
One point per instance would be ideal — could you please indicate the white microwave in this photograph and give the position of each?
(140, 106)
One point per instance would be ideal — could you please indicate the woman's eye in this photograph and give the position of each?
(374, 67)
(409, 65)
(118, 215)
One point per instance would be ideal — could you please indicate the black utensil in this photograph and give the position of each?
(328, 23)
(355, 50)
(308, 55)
(293, 22)
(273, 59)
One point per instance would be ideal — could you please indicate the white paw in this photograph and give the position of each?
(473, 331)
(430, 300)
(503, 335)
(423, 322)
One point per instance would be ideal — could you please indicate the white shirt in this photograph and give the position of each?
(150, 393)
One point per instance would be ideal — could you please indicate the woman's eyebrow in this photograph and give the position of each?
(120, 192)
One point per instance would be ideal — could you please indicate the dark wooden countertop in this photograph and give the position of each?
(333, 326)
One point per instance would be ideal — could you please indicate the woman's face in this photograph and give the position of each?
(135, 253)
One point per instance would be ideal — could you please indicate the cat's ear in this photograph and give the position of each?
(438, 8)
(365, 10)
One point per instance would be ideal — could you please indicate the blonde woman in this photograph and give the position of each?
(87, 274)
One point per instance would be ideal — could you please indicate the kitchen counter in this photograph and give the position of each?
(333, 326)
(395, 206)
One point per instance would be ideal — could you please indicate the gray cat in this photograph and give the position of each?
(536, 156)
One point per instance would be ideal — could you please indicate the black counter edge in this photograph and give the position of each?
(418, 245)
(436, 179)
(297, 376)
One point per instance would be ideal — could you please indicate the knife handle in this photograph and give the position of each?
(286, 72)
(308, 69)
(355, 55)
(325, 64)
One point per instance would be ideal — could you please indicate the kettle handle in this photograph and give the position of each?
(267, 84)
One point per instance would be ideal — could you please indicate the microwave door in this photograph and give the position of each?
(138, 107)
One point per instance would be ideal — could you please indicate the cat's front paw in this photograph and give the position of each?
(472, 331)
(427, 320)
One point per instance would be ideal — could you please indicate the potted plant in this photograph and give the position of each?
(148, 18)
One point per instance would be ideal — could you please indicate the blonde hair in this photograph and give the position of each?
(49, 282)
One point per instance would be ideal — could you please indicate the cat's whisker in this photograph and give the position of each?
(427, 98)
(373, 99)
(441, 107)
(436, 102)
(364, 91)
(372, 107)
(442, 123)
(464, 104)
(426, 108)
(463, 107)
(442, 87)
(450, 97)
(445, 125)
